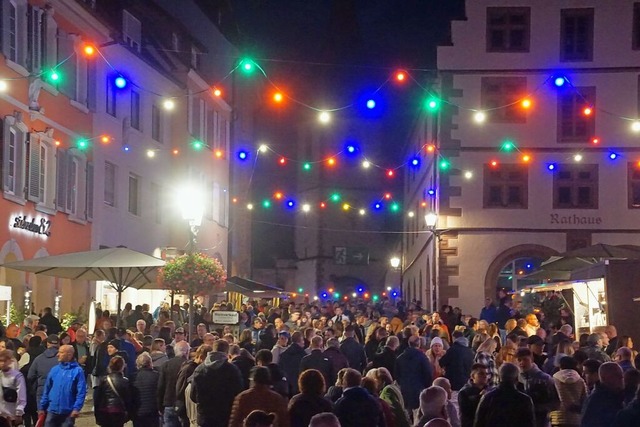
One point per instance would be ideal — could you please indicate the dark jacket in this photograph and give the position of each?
(629, 416)
(244, 364)
(317, 360)
(542, 391)
(468, 399)
(334, 393)
(357, 408)
(505, 406)
(145, 390)
(214, 386)
(457, 363)
(601, 406)
(290, 363)
(503, 313)
(354, 352)
(266, 341)
(371, 348)
(413, 373)
(40, 368)
(337, 359)
(88, 364)
(385, 359)
(167, 382)
(52, 323)
(304, 406)
(113, 406)
(181, 385)
(279, 382)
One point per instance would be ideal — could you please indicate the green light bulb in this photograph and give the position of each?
(197, 145)
(306, 166)
(335, 197)
(247, 65)
(54, 76)
(83, 144)
(432, 104)
(508, 146)
(395, 207)
(444, 164)
(266, 204)
(300, 290)
(375, 297)
(336, 295)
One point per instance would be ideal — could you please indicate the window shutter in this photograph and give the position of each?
(33, 192)
(67, 85)
(4, 141)
(89, 190)
(61, 180)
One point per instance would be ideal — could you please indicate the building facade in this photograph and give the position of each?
(101, 153)
(535, 143)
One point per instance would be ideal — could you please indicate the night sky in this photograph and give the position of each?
(330, 51)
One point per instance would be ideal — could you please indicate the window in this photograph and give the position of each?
(72, 186)
(111, 99)
(634, 185)
(573, 124)
(210, 127)
(508, 29)
(68, 61)
(109, 184)
(134, 194)
(575, 187)
(156, 202)
(506, 186)
(42, 181)
(91, 85)
(156, 123)
(635, 37)
(11, 158)
(576, 34)
(36, 36)
(501, 91)
(131, 30)
(13, 31)
(135, 110)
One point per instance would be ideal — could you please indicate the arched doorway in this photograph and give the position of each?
(508, 269)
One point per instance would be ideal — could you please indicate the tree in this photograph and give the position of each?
(192, 274)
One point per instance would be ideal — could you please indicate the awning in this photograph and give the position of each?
(252, 288)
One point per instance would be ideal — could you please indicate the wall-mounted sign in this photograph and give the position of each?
(39, 226)
(575, 219)
(225, 317)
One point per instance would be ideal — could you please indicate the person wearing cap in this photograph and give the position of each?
(259, 419)
(259, 397)
(536, 345)
(281, 345)
(43, 364)
(435, 353)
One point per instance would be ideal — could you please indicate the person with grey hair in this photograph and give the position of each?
(623, 358)
(505, 405)
(594, 349)
(324, 419)
(29, 325)
(452, 410)
(433, 404)
(145, 390)
(167, 384)
(386, 358)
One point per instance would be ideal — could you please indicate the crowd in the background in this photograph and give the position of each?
(319, 364)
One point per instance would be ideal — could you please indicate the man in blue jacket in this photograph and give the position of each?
(64, 391)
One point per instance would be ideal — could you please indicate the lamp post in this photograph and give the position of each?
(431, 220)
(191, 203)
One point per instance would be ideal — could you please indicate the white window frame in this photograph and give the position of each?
(14, 128)
(137, 203)
(13, 42)
(110, 181)
(12, 162)
(72, 186)
(43, 181)
(135, 95)
(131, 30)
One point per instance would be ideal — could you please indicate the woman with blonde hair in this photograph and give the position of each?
(434, 354)
(507, 353)
(486, 356)
(390, 393)
(335, 391)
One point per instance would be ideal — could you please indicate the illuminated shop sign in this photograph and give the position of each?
(39, 226)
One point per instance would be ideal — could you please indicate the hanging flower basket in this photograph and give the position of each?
(192, 274)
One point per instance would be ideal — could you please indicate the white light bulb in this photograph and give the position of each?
(468, 175)
(263, 148)
(577, 157)
(366, 164)
(250, 206)
(151, 154)
(168, 104)
(324, 117)
(480, 116)
(362, 212)
(411, 214)
(3, 85)
(306, 207)
(635, 126)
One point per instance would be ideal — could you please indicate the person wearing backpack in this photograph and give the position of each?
(113, 398)
(13, 398)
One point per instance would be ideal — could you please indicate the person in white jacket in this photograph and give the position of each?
(13, 398)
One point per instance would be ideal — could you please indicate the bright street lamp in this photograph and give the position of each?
(395, 262)
(431, 219)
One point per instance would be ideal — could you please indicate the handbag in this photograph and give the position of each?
(9, 394)
(126, 413)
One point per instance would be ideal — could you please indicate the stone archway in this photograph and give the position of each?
(520, 251)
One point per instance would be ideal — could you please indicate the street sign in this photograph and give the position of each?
(349, 255)
(224, 317)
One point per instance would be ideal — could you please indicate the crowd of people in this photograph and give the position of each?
(319, 364)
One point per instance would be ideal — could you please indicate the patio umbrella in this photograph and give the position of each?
(601, 251)
(121, 267)
(561, 263)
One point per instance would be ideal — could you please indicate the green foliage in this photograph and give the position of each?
(549, 303)
(68, 318)
(192, 274)
(17, 315)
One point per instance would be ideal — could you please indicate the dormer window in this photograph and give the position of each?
(131, 30)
